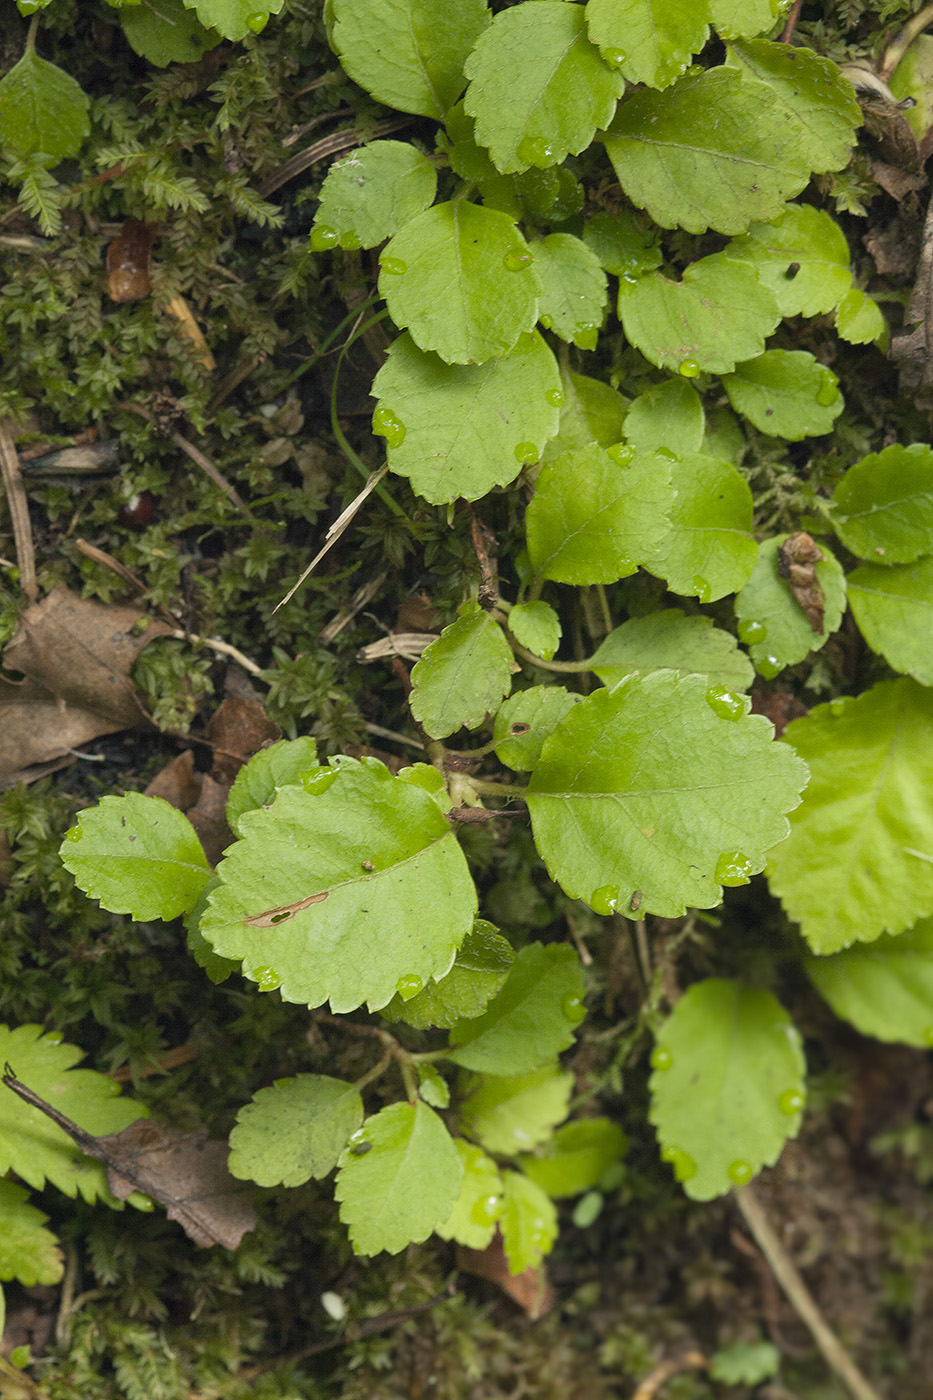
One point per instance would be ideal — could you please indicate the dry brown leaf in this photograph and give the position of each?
(128, 261)
(238, 729)
(530, 1289)
(177, 783)
(797, 559)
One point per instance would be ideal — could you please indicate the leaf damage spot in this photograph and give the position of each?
(272, 918)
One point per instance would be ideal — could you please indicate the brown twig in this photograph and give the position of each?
(107, 561)
(787, 33)
(689, 1361)
(483, 540)
(196, 455)
(19, 513)
(172, 1059)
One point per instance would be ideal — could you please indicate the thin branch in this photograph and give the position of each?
(19, 513)
(196, 455)
(903, 40)
(223, 648)
(787, 33)
(690, 1361)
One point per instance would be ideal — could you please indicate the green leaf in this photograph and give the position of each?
(408, 53)
(29, 1252)
(883, 506)
(802, 257)
(734, 19)
(512, 1113)
(532, 1019)
(463, 676)
(913, 78)
(709, 550)
(745, 1363)
(468, 428)
(536, 627)
(659, 787)
(368, 195)
(592, 412)
(138, 856)
(893, 607)
(859, 319)
(480, 968)
(30, 1143)
(624, 242)
(235, 19)
(403, 1185)
(538, 88)
(713, 151)
(528, 1221)
(217, 969)
(169, 34)
(576, 1158)
(649, 41)
(786, 393)
(669, 640)
(709, 320)
(294, 1130)
(595, 517)
(573, 288)
(256, 784)
(381, 891)
(884, 990)
(669, 414)
(42, 110)
(728, 1085)
(433, 1087)
(461, 279)
(775, 626)
(473, 1219)
(525, 721)
(859, 859)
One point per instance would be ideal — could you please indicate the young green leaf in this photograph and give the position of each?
(138, 856)
(463, 676)
(649, 41)
(728, 1085)
(893, 607)
(294, 1130)
(670, 641)
(218, 969)
(734, 19)
(528, 1221)
(884, 990)
(461, 279)
(171, 34)
(624, 242)
(404, 1184)
(538, 88)
(771, 621)
(576, 1158)
(480, 968)
(709, 320)
(473, 1219)
(531, 1020)
(709, 550)
(381, 891)
(859, 859)
(669, 414)
(549, 196)
(883, 506)
(367, 196)
(280, 765)
(786, 393)
(34, 1147)
(573, 288)
(745, 1363)
(661, 787)
(511, 1113)
(28, 1251)
(43, 111)
(802, 257)
(591, 412)
(859, 319)
(525, 721)
(433, 1087)
(468, 428)
(235, 19)
(536, 627)
(408, 53)
(595, 517)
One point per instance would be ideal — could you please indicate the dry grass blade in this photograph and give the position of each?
(343, 520)
(19, 513)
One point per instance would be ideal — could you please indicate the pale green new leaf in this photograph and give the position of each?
(280, 765)
(34, 1147)
(859, 319)
(893, 607)
(536, 627)
(786, 393)
(657, 787)
(593, 519)
(883, 506)
(649, 41)
(884, 990)
(745, 1363)
(669, 414)
(525, 721)
(527, 1220)
(461, 279)
(432, 1086)
(709, 550)
(624, 242)
(859, 859)
(913, 78)
(772, 622)
(338, 894)
(367, 196)
(235, 19)
(294, 1130)
(710, 319)
(573, 289)
(473, 1219)
(513, 1113)
(408, 53)
(576, 1158)
(728, 1085)
(670, 641)
(169, 34)
(138, 855)
(29, 1252)
(591, 412)
(802, 257)
(531, 1020)
(463, 676)
(403, 1185)
(43, 111)
(468, 428)
(480, 968)
(538, 89)
(735, 19)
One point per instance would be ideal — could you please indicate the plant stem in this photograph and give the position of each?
(31, 34)
(490, 789)
(903, 40)
(569, 666)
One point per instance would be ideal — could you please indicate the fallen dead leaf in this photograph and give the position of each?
(128, 261)
(177, 783)
(530, 1289)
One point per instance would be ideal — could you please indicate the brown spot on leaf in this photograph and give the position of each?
(273, 917)
(797, 559)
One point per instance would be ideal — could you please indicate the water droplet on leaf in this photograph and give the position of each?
(614, 57)
(518, 259)
(533, 151)
(791, 1102)
(733, 868)
(409, 986)
(555, 398)
(666, 452)
(828, 391)
(485, 1211)
(318, 780)
(350, 241)
(74, 833)
(386, 425)
(725, 703)
(588, 1209)
(752, 631)
(546, 321)
(257, 22)
(661, 1058)
(684, 1165)
(527, 452)
(701, 588)
(688, 368)
(394, 267)
(740, 1172)
(322, 238)
(621, 453)
(143, 1202)
(604, 900)
(573, 1009)
(769, 667)
(628, 281)
(585, 335)
(266, 978)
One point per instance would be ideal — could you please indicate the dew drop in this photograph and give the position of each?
(56, 1038)
(604, 900)
(322, 238)
(318, 780)
(533, 151)
(527, 452)
(386, 425)
(769, 667)
(666, 453)
(837, 706)
(628, 281)
(585, 335)
(828, 392)
(394, 267)
(555, 398)
(733, 868)
(701, 588)
(74, 833)
(546, 321)
(683, 1164)
(518, 259)
(791, 1102)
(409, 986)
(257, 22)
(621, 453)
(614, 57)
(661, 1058)
(485, 1211)
(740, 1171)
(688, 368)
(358, 1138)
(588, 1209)
(573, 1009)
(266, 979)
(752, 631)
(143, 1202)
(282, 1083)
(29, 7)
(725, 703)
(350, 241)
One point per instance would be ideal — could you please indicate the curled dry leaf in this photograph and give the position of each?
(797, 560)
(129, 258)
(529, 1289)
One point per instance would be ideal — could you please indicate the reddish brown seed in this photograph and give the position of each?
(138, 511)
(128, 258)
